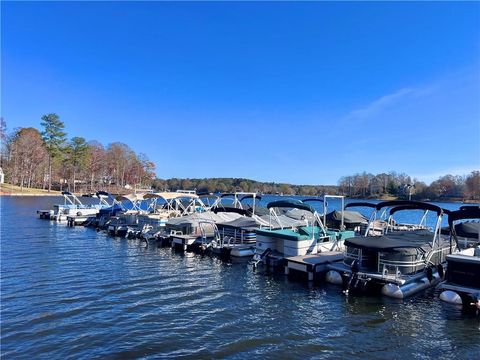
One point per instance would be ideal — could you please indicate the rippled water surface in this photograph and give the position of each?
(77, 293)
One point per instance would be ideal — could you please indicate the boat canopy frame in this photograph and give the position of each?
(103, 196)
(173, 202)
(402, 205)
(238, 197)
(71, 199)
(135, 199)
(296, 204)
(325, 209)
(464, 213)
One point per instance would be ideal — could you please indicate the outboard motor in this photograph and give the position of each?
(353, 280)
(203, 248)
(441, 271)
(258, 258)
(476, 304)
(429, 273)
(225, 253)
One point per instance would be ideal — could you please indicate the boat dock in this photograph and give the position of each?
(312, 264)
(74, 220)
(45, 214)
(183, 242)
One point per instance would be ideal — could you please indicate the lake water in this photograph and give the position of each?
(77, 293)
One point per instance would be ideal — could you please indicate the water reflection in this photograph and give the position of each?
(79, 293)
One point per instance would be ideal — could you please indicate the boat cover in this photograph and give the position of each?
(195, 218)
(298, 214)
(285, 221)
(349, 217)
(467, 229)
(246, 223)
(259, 210)
(406, 242)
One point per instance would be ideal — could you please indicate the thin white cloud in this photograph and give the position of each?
(386, 101)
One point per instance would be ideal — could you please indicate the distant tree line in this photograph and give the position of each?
(222, 185)
(362, 185)
(47, 159)
(366, 185)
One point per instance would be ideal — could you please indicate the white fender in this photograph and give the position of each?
(451, 297)
(334, 277)
(392, 290)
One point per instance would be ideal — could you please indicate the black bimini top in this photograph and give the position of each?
(230, 209)
(465, 212)
(411, 205)
(467, 229)
(468, 207)
(104, 193)
(406, 242)
(291, 203)
(312, 200)
(395, 209)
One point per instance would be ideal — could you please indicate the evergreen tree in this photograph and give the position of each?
(54, 138)
(78, 150)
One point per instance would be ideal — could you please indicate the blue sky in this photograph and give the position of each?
(289, 92)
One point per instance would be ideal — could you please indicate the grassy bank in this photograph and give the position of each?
(12, 190)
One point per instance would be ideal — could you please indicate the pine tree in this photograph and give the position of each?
(78, 150)
(54, 138)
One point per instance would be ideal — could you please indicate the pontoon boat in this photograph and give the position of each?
(400, 262)
(462, 280)
(72, 206)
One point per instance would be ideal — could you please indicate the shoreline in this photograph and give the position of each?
(9, 190)
(28, 194)
(17, 194)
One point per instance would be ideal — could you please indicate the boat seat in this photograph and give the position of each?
(286, 234)
(309, 231)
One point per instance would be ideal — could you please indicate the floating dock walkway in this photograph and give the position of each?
(312, 265)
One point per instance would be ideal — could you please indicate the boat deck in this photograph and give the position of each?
(73, 220)
(44, 214)
(183, 241)
(312, 264)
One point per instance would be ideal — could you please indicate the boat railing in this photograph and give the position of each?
(230, 241)
(70, 198)
(401, 205)
(202, 225)
(238, 197)
(325, 209)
